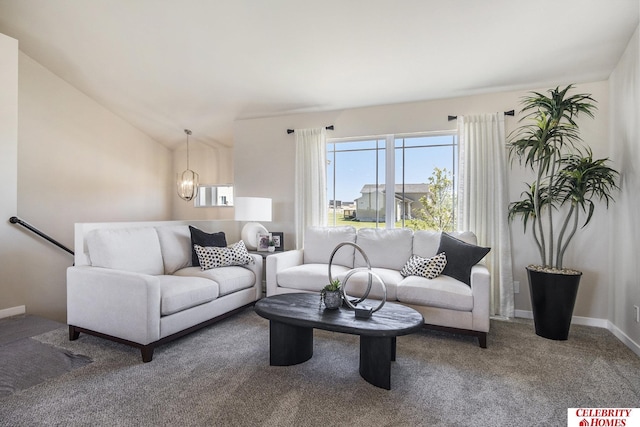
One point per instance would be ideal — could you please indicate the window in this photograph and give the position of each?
(214, 195)
(393, 181)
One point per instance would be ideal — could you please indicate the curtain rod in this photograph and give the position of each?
(293, 130)
(506, 113)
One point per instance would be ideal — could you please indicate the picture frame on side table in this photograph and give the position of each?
(263, 240)
(278, 239)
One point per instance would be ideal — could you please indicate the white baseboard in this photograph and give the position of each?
(598, 323)
(634, 346)
(13, 311)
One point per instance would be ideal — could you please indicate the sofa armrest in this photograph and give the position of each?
(114, 302)
(481, 290)
(279, 262)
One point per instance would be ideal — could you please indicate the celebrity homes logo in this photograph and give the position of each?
(603, 417)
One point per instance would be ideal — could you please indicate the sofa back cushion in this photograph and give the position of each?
(426, 242)
(130, 249)
(319, 243)
(175, 245)
(385, 248)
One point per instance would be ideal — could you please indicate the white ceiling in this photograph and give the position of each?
(166, 65)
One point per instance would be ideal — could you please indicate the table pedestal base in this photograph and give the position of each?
(291, 345)
(288, 344)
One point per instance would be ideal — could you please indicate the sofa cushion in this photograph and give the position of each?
(357, 283)
(213, 257)
(427, 242)
(180, 293)
(199, 237)
(442, 292)
(319, 243)
(385, 248)
(130, 249)
(461, 256)
(309, 277)
(425, 267)
(175, 244)
(229, 279)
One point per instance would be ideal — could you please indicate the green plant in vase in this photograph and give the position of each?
(331, 295)
(567, 183)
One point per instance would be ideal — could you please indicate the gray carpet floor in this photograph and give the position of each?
(220, 376)
(27, 362)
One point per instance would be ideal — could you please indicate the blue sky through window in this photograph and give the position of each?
(355, 163)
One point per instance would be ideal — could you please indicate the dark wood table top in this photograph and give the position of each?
(302, 309)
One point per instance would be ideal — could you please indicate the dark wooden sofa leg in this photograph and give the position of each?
(147, 353)
(73, 334)
(482, 339)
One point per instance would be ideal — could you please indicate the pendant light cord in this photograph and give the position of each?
(188, 132)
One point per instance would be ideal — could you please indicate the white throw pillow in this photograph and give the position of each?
(212, 257)
(425, 267)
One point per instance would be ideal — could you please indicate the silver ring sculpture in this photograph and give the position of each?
(353, 271)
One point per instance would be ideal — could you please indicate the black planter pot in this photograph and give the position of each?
(553, 297)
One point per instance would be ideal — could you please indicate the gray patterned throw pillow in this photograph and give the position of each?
(425, 267)
(212, 257)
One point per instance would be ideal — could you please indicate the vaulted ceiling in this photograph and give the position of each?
(166, 65)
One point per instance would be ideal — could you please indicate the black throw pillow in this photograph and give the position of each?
(461, 256)
(200, 238)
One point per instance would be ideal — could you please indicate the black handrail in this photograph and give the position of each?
(16, 220)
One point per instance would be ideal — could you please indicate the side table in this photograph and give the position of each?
(264, 255)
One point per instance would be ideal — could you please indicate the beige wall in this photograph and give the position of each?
(77, 162)
(264, 141)
(624, 248)
(11, 241)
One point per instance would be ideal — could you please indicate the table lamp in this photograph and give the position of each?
(252, 209)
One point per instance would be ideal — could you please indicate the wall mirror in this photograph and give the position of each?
(214, 195)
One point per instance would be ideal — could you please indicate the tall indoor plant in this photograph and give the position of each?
(567, 183)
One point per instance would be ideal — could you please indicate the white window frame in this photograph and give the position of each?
(390, 167)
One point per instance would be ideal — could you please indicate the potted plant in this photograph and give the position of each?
(567, 183)
(272, 246)
(331, 295)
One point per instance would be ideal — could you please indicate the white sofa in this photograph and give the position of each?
(137, 285)
(446, 303)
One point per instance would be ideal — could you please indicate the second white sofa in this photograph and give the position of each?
(455, 301)
(139, 285)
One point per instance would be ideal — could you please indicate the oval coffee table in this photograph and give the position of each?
(292, 318)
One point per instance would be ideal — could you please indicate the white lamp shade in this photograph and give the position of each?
(252, 209)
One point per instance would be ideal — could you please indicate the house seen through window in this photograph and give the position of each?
(393, 181)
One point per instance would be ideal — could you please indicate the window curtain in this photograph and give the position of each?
(311, 181)
(483, 200)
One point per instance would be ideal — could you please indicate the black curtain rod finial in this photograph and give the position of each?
(290, 131)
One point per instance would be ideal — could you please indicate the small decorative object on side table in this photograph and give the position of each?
(278, 240)
(331, 295)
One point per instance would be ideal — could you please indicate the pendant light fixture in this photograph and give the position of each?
(187, 181)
